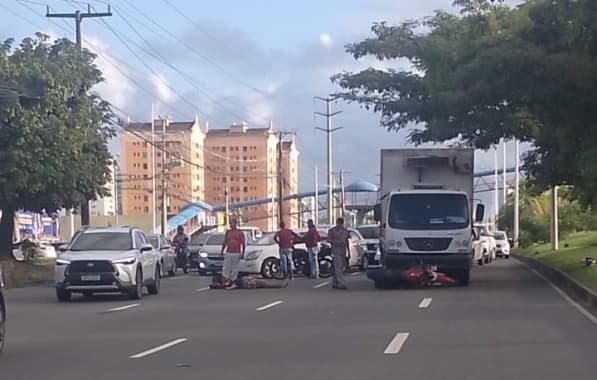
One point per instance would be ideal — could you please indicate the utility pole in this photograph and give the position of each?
(164, 183)
(115, 176)
(504, 182)
(516, 195)
(153, 183)
(78, 17)
(342, 196)
(280, 180)
(554, 234)
(497, 190)
(329, 130)
(316, 210)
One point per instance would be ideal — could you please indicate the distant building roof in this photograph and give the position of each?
(232, 130)
(158, 125)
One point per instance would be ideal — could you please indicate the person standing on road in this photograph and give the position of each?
(285, 239)
(233, 250)
(312, 240)
(338, 238)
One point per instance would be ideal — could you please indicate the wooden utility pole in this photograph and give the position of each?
(78, 17)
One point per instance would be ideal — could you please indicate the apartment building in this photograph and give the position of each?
(183, 142)
(106, 206)
(241, 165)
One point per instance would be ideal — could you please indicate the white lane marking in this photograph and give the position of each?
(425, 303)
(563, 294)
(396, 344)
(355, 273)
(158, 348)
(202, 289)
(122, 308)
(178, 278)
(321, 285)
(269, 305)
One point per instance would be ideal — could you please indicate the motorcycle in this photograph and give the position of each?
(326, 263)
(182, 259)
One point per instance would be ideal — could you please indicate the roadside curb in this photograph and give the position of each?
(577, 291)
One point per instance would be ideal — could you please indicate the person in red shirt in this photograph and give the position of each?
(285, 239)
(233, 250)
(312, 240)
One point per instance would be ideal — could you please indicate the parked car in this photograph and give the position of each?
(480, 247)
(2, 314)
(33, 249)
(502, 244)
(254, 232)
(166, 254)
(108, 260)
(370, 233)
(487, 236)
(261, 256)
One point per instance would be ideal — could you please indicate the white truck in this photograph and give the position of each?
(425, 211)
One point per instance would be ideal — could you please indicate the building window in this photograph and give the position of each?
(245, 189)
(223, 149)
(146, 208)
(146, 198)
(145, 166)
(244, 148)
(144, 154)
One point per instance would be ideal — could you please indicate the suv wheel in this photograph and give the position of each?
(136, 291)
(155, 287)
(63, 295)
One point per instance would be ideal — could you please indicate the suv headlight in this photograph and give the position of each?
(203, 255)
(252, 255)
(126, 261)
(62, 262)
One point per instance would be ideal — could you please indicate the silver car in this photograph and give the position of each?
(166, 253)
(107, 260)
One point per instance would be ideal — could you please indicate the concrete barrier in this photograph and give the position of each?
(574, 289)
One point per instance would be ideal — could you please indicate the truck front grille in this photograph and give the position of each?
(428, 244)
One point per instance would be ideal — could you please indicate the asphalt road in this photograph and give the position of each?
(509, 324)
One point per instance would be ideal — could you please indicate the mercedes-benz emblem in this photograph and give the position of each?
(428, 244)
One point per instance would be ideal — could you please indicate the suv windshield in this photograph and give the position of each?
(369, 232)
(429, 211)
(103, 241)
(499, 236)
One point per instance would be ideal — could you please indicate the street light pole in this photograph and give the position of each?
(516, 232)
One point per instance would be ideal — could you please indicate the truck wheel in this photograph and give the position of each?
(464, 277)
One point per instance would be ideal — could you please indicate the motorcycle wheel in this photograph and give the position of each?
(326, 267)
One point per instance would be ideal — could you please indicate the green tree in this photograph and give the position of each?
(528, 72)
(53, 150)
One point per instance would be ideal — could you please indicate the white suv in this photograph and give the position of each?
(502, 244)
(107, 260)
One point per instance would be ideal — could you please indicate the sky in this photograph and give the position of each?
(227, 61)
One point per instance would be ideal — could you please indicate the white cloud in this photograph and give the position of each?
(325, 39)
(116, 88)
(163, 88)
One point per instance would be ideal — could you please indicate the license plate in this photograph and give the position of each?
(90, 277)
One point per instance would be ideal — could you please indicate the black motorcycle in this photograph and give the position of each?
(182, 259)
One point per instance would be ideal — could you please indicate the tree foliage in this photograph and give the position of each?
(493, 71)
(53, 143)
(535, 215)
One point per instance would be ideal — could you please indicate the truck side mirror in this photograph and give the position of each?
(479, 213)
(377, 212)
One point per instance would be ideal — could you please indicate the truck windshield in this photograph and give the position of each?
(428, 211)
